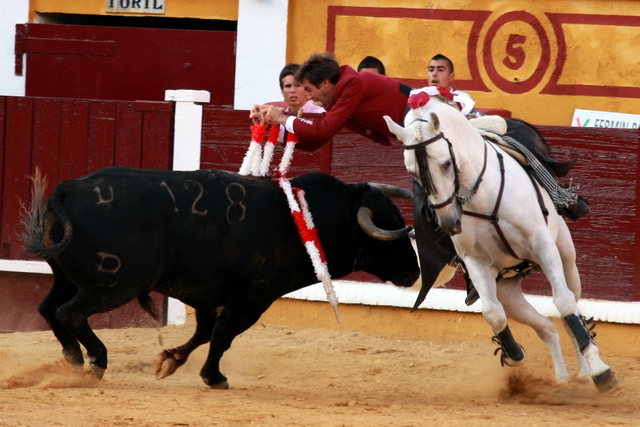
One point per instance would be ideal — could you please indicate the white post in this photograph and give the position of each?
(187, 141)
(187, 125)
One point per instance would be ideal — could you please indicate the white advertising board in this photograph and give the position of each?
(605, 119)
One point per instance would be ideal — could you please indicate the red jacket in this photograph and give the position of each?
(361, 101)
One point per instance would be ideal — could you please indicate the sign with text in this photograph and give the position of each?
(605, 119)
(136, 6)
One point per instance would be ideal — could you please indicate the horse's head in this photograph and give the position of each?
(430, 158)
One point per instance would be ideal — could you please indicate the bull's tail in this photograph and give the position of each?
(148, 306)
(38, 219)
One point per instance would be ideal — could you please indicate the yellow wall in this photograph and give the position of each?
(204, 9)
(600, 50)
(595, 68)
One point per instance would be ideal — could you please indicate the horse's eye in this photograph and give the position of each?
(446, 165)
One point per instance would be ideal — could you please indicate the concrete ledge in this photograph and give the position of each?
(453, 300)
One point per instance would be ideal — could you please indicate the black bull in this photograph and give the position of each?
(222, 243)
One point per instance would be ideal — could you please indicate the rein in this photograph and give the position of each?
(456, 195)
(493, 218)
(420, 149)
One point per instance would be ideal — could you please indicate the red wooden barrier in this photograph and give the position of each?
(68, 138)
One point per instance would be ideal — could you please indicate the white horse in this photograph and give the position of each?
(490, 206)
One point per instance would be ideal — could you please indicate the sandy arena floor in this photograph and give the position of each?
(284, 375)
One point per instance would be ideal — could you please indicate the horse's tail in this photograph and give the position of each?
(39, 218)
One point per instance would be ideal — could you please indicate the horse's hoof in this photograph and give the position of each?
(97, 371)
(517, 360)
(605, 381)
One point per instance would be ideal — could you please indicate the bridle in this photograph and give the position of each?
(420, 149)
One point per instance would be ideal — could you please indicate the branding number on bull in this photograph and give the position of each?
(236, 210)
(193, 206)
(102, 201)
(175, 205)
(109, 263)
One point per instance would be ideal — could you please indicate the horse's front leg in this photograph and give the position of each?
(483, 278)
(520, 310)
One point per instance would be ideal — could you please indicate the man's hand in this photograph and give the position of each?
(255, 115)
(273, 115)
(267, 114)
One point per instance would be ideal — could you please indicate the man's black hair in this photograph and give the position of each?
(440, 57)
(372, 62)
(289, 70)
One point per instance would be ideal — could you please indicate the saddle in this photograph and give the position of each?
(529, 148)
(494, 128)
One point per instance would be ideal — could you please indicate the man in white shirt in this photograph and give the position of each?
(440, 73)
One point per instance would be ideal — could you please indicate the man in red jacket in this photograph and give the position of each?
(357, 101)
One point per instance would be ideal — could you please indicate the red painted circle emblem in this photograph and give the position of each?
(514, 56)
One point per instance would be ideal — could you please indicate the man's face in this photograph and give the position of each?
(294, 95)
(323, 94)
(439, 74)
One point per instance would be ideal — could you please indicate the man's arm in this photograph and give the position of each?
(312, 135)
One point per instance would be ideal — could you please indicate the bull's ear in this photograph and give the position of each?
(434, 123)
(395, 128)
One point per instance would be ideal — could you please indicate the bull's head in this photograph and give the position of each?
(365, 216)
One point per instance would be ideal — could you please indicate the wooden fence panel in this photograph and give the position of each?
(157, 143)
(46, 136)
(16, 169)
(102, 134)
(74, 137)
(226, 135)
(66, 139)
(128, 152)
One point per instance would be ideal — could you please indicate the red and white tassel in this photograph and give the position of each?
(255, 163)
(251, 161)
(316, 253)
(267, 154)
(309, 236)
(287, 156)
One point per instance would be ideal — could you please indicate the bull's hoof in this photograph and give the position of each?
(224, 385)
(164, 364)
(605, 381)
(219, 382)
(97, 370)
(73, 357)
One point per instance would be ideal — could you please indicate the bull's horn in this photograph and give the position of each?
(392, 190)
(366, 223)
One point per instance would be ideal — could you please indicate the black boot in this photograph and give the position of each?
(472, 294)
